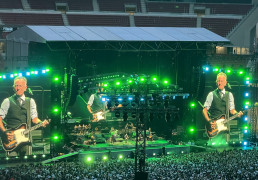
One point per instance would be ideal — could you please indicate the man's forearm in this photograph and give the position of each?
(36, 120)
(205, 114)
(89, 108)
(2, 125)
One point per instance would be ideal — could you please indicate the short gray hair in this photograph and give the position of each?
(18, 78)
(222, 74)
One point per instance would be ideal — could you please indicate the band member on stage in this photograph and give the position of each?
(219, 102)
(95, 105)
(15, 111)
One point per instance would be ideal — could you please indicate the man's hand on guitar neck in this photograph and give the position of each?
(37, 121)
(45, 123)
(240, 113)
(234, 112)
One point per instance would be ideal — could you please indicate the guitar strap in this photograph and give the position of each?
(27, 102)
(227, 107)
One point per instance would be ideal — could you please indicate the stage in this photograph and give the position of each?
(123, 150)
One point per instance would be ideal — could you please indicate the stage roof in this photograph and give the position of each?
(43, 34)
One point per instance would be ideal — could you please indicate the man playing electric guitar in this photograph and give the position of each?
(15, 111)
(219, 102)
(95, 106)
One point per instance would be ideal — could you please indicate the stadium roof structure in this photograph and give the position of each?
(117, 38)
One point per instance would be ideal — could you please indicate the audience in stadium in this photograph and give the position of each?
(230, 164)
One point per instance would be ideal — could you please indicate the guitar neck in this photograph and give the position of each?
(232, 117)
(33, 128)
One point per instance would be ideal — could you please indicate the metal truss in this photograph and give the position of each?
(140, 144)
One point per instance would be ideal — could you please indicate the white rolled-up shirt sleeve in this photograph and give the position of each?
(33, 109)
(208, 101)
(91, 99)
(231, 103)
(4, 108)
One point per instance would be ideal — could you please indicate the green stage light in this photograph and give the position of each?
(247, 80)
(192, 105)
(247, 103)
(88, 159)
(56, 137)
(34, 156)
(56, 110)
(105, 85)
(105, 158)
(154, 78)
(120, 156)
(118, 83)
(130, 81)
(241, 72)
(228, 71)
(56, 79)
(216, 69)
(165, 82)
(191, 130)
(142, 79)
(245, 127)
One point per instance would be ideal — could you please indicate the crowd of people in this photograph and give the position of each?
(228, 164)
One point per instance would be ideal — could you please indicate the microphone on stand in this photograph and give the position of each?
(229, 87)
(30, 91)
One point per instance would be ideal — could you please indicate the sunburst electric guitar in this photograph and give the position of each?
(220, 125)
(20, 136)
(100, 115)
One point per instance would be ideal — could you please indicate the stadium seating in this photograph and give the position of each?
(117, 5)
(31, 19)
(167, 7)
(42, 5)
(98, 20)
(158, 14)
(80, 5)
(10, 4)
(237, 9)
(221, 26)
(159, 21)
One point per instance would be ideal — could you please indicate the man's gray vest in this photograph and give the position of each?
(17, 114)
(218, 105)
(97, 104)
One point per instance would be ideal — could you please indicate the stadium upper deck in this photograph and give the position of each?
(220, 18)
